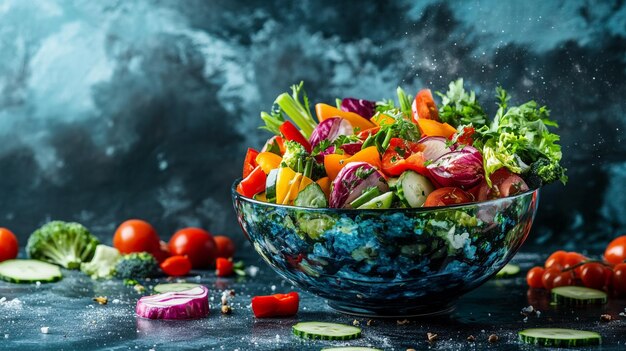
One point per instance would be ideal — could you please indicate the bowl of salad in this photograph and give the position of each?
(389, 208)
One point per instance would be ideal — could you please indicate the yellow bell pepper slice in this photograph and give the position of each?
(294, 187)
(268, 161)
(283, 183)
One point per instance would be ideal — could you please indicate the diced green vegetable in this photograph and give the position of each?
(137, 265)
(270, 185)
(174, 287)
(311, 196)
(366, 196)
(379, 202)
(508, 270)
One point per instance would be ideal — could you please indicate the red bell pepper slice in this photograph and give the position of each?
(290, 132)
(277, 305)
(402, 155)
(223, 267)
(253, 184)
(364, 134)
(249, 163)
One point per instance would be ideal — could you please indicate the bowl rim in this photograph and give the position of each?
(236, 195)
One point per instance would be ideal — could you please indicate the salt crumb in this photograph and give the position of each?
(252, 271)
(6, 336)
(45, 330)
(273, 287)
(116, 301)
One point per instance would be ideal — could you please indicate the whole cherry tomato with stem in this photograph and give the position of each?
(615, 252)
(548, 277)
(556, 259)
(563, 279)
(619, 279)
(8, 245)
(533, 277)
(593, 276)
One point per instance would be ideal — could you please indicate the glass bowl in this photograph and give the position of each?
(388, 262)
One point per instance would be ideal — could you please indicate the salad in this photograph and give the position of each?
(406, 153)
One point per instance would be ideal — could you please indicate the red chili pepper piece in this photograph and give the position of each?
(277, 305)
(249, 163)
(223, 267)
(290, 132)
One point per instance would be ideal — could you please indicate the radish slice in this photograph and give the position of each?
(186, 304)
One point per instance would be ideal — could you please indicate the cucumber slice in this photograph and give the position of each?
(326, 331)
(578, 295)
(311, 196)
(508, 270)
(29, 271)
(379, 202)
(270, 185)
(174, 287)
(366, 196)
(351, 348)
(413, 189)
(556, 337)
(392, 182)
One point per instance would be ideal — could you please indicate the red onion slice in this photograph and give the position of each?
(187, 304)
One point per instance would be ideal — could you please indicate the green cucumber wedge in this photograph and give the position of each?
(556, 337)
(311, 196)
(260, 197)
(413, 188)
(351, 348)
(270, 185)
(366, 196)
(326, 331)
(379, 202)
(508, 270)
(29, 271)
(173, 287)
(578, 295)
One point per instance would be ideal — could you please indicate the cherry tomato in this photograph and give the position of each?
(249, 163)
(225, 246)
(447, 196)
(573, 258)
(195, 243)
(136, 235)
(504, 183)
(176, 266)
(593, 275)
(608, 276)
(557, 259)
(563, 279)
(616, 251)
(548, 277)
(223, 267)
(8, 245)
(533, 277)
(424, 106)
(619, 279)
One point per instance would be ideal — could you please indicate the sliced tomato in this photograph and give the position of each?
(402, 155)
(176, 266)
(223, 267)
(253, 184)
(424, 106)
(368, 132)
(467, 136)
(290, 132)
(447, 196)
(504, 183)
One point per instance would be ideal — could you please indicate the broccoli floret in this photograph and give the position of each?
(295, 155)
(543, 172)
(102, 266)
(137, 265)
(61, 243)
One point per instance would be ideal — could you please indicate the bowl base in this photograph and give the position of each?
(405, 312)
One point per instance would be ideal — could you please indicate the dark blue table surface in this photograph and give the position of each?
(76, 322)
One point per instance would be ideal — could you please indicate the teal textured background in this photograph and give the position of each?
(116, 109)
